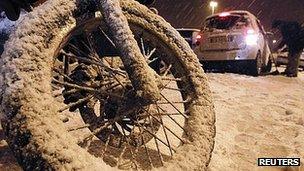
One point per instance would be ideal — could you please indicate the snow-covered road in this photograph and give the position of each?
(256, 117)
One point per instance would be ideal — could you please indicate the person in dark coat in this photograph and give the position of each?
(292, 36)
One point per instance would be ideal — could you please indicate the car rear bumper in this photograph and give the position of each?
(226, 55)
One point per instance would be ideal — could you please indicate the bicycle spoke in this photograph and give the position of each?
(151, 61)
(174, 106)
(86, 46)
(174, 89)
(76, 49)
(156, 144)
(106, 124)
(164, 126)
(165, 132)
(143, 48)
(75, 103)
(158, 151)
(96, 131)
(164, 114)
(174, 102)
(167, 70)
(173, 119)
(145, 146)
(66, 62)
(106, 145)
(119, 82)
(64, 75)
(69, 92)
(90, 89)
(84, 59)
(148, 154)
(79, 127)
(166, 84)
(171, 79)
(121, 154)
(131, 151)
(106, 83)
(113, 86)
(63, 93)
(93, 54)
(108, 38)
(151, 53)
(123, 126)
(91, 44)
(158, 138)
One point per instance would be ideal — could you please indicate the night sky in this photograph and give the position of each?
(191, 13)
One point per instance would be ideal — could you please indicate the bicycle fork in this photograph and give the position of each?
(143, 78)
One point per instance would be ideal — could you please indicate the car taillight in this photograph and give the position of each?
(224, 14)
(198, 39)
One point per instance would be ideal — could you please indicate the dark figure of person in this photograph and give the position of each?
(292, 36)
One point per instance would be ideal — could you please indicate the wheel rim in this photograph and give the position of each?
(78, 71)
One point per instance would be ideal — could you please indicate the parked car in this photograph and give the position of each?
(235, 38)
(191, 35)
(281, 57)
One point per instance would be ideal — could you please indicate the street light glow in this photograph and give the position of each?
(213, 5)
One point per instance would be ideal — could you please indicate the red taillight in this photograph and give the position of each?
(198, 39)
(224, 14)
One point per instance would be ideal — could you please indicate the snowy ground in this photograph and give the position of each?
(256, 117)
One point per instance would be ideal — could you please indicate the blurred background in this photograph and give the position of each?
(191, 13)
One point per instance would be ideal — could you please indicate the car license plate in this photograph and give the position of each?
(221, 39)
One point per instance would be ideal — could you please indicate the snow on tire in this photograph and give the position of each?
(32, 124)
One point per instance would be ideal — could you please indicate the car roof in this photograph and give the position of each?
(187, 29)
(240, 12)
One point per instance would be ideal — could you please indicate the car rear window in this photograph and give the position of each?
(226, 22)
(185, 33)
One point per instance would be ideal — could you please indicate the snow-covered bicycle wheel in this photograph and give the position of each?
(64, 47)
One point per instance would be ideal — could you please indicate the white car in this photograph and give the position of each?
(235, 37)
(190, 34)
